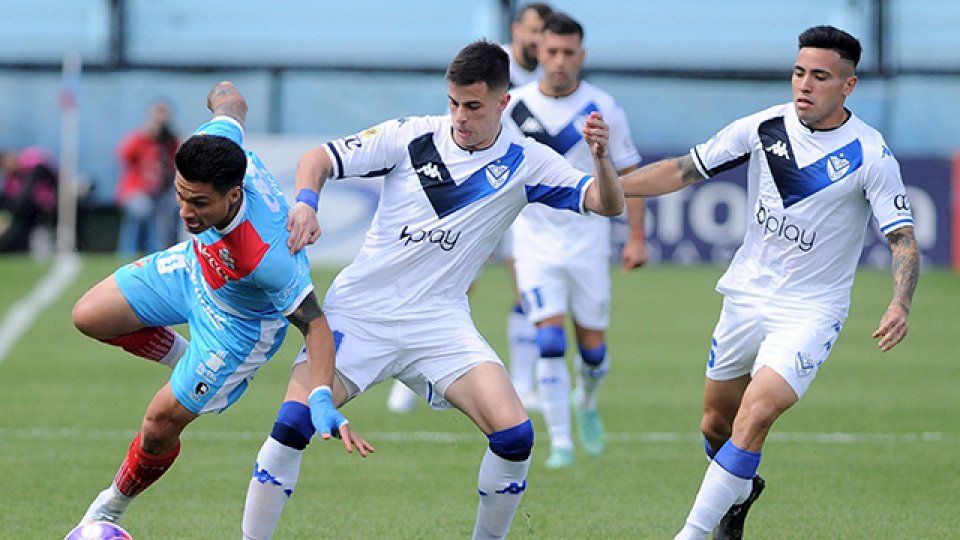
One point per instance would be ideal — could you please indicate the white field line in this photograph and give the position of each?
(23, 312)
(458, 438)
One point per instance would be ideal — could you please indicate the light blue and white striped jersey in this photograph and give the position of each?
(245, 269)
(815, 191)
(442, 211)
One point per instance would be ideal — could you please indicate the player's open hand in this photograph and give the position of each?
(328, 421)
(303, 226)
(893, 327)
(353, 440)
(596, 133)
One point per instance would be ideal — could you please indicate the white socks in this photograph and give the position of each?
(554, 383)
(501, 484)
(524, 352)
(589, 380)
(274, 477)
(719, 491)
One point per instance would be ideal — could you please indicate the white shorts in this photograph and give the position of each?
(752, 333)
(427, 355)
(582, 287)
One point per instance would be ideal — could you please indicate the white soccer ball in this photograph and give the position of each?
(98, 530)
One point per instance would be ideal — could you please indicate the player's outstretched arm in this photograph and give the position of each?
(313, 169)
(327, 420)
(905, 267)
(661, 177)
(225, 100)
(604, 196)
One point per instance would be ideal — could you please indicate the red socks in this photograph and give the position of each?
(140, 469)
(150, 343)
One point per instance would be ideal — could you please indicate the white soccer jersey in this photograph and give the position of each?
(520, 75)
(540, 232)
(442, 210)
(815, 192)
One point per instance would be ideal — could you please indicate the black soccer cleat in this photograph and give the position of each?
(731, 526)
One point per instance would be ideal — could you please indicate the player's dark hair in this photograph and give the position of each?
(562, 24)
(211, 159)
(834, 39)
(481, 61)
(543, 10)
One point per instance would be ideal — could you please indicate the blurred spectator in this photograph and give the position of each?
(145, 192)
(28, 198)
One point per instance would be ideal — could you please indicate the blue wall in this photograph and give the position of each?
(917, 113)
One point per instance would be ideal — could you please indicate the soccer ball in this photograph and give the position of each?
(98, 530)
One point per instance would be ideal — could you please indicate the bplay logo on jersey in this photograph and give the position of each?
(446, 239)
(780, 227)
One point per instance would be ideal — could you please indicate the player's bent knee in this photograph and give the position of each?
(293, 427)
(513, 444)
(594, 356)
(552, 341)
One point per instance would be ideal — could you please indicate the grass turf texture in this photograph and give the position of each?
(70, 407)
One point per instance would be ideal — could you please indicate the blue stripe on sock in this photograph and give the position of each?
(738, 462)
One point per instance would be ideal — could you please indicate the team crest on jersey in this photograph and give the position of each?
(227, 259)
(370, 132)
(497, 174)
(837, 167)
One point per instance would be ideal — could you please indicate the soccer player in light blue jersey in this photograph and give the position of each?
(452, 185)
(237, 284)
(820, 173)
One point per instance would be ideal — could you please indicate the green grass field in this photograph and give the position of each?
(871, 451)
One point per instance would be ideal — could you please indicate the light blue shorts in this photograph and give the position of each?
(225, 351)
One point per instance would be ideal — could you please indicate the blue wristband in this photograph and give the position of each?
(308, 196)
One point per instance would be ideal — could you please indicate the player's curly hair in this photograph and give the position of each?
(834, 39)
(481, 61)
(212, 159)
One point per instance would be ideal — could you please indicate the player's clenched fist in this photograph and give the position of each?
(597, 134)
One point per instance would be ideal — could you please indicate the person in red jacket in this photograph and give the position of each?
(145, 193)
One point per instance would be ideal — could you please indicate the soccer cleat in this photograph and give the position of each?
(589, 427)
(560, 458)
(108, 506)
(731, 526)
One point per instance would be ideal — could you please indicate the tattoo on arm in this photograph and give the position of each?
(308, 310)
(905, 265)
(688, 171)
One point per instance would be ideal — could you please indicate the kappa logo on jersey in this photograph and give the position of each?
(564, 140)
(430, 170)
(447, 240)
(531, 125)
(837, 167)
(446, 196)
(779, 148)
(497, 174)
(243, 250)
